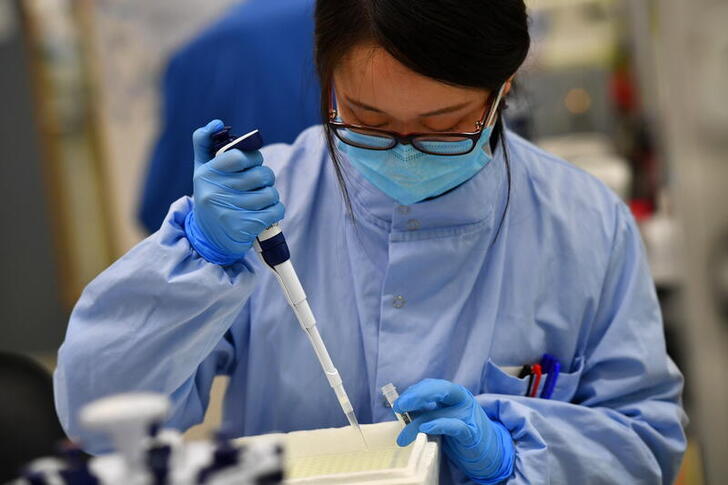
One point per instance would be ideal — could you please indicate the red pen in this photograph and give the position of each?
(536, 370)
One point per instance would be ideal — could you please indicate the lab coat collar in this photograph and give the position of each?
(476, 202)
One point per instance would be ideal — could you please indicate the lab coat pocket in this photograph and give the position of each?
(497, 381)
(568, 382)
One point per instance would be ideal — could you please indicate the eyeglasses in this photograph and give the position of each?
(445, 144)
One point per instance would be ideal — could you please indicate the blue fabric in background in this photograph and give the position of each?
(252, 69)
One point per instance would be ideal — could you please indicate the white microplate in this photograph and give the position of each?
(341, 463)
(340, 450)
(337, 455)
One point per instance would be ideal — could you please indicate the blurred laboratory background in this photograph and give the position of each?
(98, 99)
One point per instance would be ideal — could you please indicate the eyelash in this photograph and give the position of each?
(451, 128)
(360, 122)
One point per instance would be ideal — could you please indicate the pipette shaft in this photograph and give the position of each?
(273, 250)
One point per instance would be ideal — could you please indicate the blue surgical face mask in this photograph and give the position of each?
(408, 175)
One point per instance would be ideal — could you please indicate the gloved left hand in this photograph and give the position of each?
(235, 200)
(480, 447)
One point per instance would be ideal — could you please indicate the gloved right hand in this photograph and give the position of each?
(234, 200)
(479, 446)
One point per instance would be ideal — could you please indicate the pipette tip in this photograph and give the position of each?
(355, 424)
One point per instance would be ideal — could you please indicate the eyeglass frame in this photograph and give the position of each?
(490, 113)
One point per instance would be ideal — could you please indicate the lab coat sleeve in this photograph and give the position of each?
(625, 421)
(156, 320)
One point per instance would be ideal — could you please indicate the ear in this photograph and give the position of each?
(508, 85)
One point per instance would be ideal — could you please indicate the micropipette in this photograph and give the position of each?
(272, 248)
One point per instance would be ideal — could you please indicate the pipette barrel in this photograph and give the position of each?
(272, 248)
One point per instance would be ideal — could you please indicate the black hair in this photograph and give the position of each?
(467, 43)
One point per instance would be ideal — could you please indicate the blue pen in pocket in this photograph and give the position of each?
(552, 367)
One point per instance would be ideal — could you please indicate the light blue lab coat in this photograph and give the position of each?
(404, 293)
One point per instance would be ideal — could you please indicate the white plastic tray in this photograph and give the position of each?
(337, 455)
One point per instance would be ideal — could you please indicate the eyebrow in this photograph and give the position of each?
(436, 112)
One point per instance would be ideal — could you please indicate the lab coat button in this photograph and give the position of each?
(413, 225)
(398, 301)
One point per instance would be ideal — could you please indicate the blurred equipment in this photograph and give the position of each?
(692, 68)
(566, 78)
(719, 274)
(127, 419)
(204, 80)
(150, 456)
(593, 153)
(66, 114)
(32, 314)
(26, 410)
(661, 235)
(582, 97)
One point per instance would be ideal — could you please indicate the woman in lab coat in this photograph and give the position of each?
(439, 251)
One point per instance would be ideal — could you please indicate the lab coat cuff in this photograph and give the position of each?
(507, 452)
(204, 248)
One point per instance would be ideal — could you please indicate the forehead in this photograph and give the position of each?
(371, 75)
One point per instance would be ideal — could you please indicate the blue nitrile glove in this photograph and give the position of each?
(234, 200)
(482, 448)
